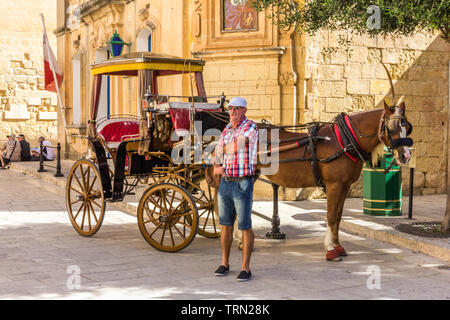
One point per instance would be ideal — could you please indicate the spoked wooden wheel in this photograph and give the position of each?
(167, 217)
(208, 213)
(85, 201)
(205, 198)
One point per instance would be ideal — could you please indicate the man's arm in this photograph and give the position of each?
(217, 158)
(218, 169)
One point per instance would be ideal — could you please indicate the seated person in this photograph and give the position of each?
(11, 151)
(49, 153)
(25, 154)
(34, 154)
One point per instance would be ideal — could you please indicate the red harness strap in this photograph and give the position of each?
(339, 138)
(347, 121)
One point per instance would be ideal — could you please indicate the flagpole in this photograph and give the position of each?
(56, 81)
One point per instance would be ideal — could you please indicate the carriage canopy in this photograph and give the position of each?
(147, 66)
(129, 64)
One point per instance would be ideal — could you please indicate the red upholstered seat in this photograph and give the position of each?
(179, 111)
(180, 117)
(114, 131)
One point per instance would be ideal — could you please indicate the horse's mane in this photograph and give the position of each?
(377, 155)
(357, 113)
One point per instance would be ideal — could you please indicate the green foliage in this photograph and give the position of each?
(398, 17)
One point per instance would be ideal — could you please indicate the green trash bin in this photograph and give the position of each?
(382, 193)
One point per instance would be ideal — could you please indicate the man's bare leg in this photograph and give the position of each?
(226, 240)
(247, 246)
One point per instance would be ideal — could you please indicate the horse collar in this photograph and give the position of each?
(347, 139)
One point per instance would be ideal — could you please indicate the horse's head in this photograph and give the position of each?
(394, 131)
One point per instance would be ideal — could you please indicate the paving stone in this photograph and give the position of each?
(38, 244)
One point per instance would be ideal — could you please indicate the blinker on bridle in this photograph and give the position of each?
(386, 130)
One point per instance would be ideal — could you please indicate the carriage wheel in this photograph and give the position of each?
(85, 201)
(206, 199)
(167, 217)
(208, 213)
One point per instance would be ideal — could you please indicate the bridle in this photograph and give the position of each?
(387, 131)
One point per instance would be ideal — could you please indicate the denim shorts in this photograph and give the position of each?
(236, 198)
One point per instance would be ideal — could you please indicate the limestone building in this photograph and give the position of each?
(287, 77)
(25, 106)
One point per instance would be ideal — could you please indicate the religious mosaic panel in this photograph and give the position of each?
(238, 15)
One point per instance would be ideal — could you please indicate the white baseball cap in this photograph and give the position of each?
(238, 102)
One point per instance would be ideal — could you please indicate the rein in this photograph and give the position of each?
(347, 139)
(344, 130)
(218, 117)
(266, 124)
(346, 133)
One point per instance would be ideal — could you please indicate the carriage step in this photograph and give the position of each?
(114, 200)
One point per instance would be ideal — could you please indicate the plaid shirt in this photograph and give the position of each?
(243, 162)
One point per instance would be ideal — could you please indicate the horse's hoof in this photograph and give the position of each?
(340, 250)
(333, 255)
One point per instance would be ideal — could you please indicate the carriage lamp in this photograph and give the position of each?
(115, 45)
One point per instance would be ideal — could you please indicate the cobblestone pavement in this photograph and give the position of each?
(44, 258)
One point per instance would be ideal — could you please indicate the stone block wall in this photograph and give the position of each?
(25, 107)
(252, 77)
(344, 73)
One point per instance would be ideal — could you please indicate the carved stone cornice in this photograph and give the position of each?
(60, 31)
(271, 51)
(91, 6)
(103, 17)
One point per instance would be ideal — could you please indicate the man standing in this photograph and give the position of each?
(11, 151)
(235, 161)
(25, 154)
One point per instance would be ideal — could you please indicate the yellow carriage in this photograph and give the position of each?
(131, 151)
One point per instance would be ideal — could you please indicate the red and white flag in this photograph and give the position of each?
(50, 65)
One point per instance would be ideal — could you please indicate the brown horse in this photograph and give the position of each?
(337, 165)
